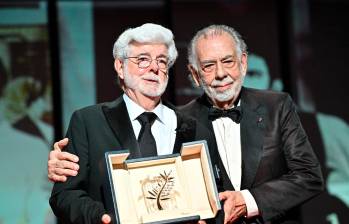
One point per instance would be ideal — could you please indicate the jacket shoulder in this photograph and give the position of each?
(265, 96)
(188, 106)
(260, 92)
(92, 111)
(193, 108)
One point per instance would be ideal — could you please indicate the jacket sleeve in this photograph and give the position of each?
(70, 200)
(302, 178)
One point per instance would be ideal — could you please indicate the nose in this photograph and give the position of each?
(154, 66)
(220, 72)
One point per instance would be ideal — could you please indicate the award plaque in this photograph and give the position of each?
(165, 189)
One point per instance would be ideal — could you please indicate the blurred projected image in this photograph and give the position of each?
(328, 135)
(25, 125)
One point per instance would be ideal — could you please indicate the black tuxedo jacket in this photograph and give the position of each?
(279, 167)
(93, 131)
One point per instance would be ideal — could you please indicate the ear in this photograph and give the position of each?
(119, 68)
(244, 63)
(194, 74)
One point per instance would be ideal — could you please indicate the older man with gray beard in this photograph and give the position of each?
(266, 163)
(137, 121)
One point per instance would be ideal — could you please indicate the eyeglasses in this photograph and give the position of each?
(144, 61)
(210, 66)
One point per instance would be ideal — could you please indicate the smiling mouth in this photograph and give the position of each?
(223, 87)
(151, 81)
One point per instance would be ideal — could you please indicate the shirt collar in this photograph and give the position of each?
(134, 110)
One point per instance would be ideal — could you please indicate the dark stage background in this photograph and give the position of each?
(56, 57)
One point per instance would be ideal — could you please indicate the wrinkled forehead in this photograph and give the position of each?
(152, 49)
(215, 45)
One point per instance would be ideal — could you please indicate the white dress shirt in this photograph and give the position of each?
(163, 128)
(228, 139)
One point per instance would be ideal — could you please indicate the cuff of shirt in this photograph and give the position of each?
(251, 205)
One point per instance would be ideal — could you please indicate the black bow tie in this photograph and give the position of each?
(233, 113)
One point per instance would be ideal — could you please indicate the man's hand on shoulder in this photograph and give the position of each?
(234, 205)
(60, 164)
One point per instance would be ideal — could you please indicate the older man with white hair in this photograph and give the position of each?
(138, 121)
(267, 165)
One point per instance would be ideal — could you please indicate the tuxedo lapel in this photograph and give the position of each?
(185, 131)
(252, 128)
(201, 115)
(199, 109)
(119, 121)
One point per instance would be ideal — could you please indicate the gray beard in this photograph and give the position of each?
(224, 96)
(135, 83)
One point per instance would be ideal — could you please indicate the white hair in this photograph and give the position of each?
(215, 30)
(147, 33)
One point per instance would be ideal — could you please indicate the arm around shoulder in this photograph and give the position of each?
(70, 200)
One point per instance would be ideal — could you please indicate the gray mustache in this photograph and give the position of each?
(151, 77)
